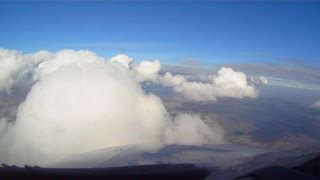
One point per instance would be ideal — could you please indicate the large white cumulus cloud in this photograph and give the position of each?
(76, 109)
(81, 102)
(227, 83)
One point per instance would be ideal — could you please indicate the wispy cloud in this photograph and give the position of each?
(191, 63)
(273, 81)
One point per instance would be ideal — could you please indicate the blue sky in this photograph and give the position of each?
(210, 32)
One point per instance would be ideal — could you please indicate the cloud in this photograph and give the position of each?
(191, 63)
(186, 70)
(3, 126)
(65, 57)
(197, 131)
(259, 80)
(15, 67)
(147, 70)
(300, 73)
(77, 109)
(317, 104)
(123, 59)
(81, 102)
(273, 81)
(227, 83)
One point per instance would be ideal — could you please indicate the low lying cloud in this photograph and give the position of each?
(80, 102)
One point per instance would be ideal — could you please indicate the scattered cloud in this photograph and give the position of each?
(77, 99)
(80, 102)
(259, 74)
(297, 73)
(227, 83)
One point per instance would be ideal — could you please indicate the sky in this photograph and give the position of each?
(207, 32)
(68, 101)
